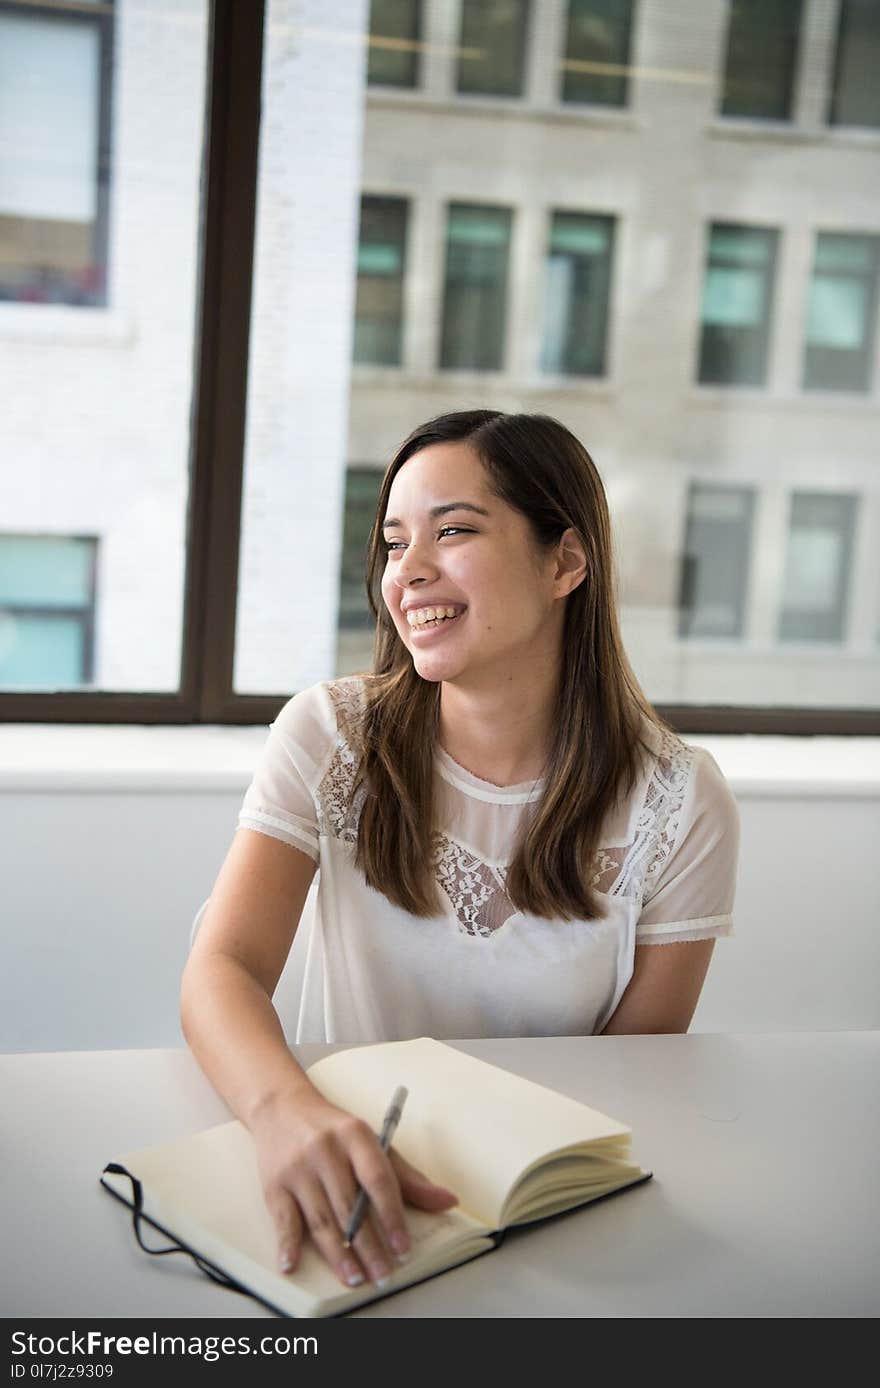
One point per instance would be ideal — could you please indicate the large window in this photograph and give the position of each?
(95, 431)
(737, 305)
(762, 44)
(817, 567)
(361, 494)
(303, 264)
(595, 68)
(55, 122)
(378, 324)
(395, 33)
(47, 611)
(855, 92)
(577, 288)
(475, 301)
(492, 50)
(715, 563)
(841, 312)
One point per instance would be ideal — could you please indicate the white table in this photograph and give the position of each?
(764, 1201)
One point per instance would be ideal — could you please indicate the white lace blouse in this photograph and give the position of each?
(374, 972)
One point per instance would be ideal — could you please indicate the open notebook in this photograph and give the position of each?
(513, 1151)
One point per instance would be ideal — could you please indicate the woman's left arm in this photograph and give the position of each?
(664, 989)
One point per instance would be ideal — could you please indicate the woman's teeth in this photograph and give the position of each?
(426, 616)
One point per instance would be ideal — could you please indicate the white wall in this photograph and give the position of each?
(106, 855)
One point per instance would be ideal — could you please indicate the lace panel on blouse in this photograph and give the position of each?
(476, 888)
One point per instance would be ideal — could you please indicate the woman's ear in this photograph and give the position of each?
(571, 563)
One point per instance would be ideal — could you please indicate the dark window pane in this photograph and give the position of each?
(855, 99)
(715, 563)
(737, 298)
(379, 310)
(577, 286)
(841, 312)
(597, 52)
(493, 44)
(361, 495)
(47, 611)
(762, 45)
(817, 567)
(395, 32)
(474, 306)
(54, 159)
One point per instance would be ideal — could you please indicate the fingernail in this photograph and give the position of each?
(352, 1273)
(400, 1243)
(380, 1273)
(287, 1263)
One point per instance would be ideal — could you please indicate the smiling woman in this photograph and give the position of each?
(504, 829)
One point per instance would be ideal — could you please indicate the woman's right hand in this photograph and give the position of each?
(312, 1157)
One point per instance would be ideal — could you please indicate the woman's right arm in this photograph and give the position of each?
(312, 1156)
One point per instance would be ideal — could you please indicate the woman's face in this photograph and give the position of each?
(477, 557)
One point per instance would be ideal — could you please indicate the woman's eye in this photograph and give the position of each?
(446, 530)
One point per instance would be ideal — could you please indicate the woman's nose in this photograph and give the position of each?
(413, 563)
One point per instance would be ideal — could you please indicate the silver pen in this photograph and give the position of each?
(389, 1126)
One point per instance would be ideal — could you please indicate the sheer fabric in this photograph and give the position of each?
(372, 972)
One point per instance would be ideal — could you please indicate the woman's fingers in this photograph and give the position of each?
(383, 1238)
(288, 1226)
(417, 1189)
(324, 1227)
(314, 1190)
(376, 1174)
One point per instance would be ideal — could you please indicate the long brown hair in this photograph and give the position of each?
(538, 467)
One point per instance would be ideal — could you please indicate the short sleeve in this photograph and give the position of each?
(692, 896)
(281, 798)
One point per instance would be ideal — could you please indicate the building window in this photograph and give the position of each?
(715, 563)
(855, 95)
(597, 52)
(841, 312)
(55, 80)
(737, 298)
(361, 498)
(762, 45)
(395, 43)
(475, 298)
(47, 611)
(816, 582)
(492, 48)
(576, 293)
(378, 326)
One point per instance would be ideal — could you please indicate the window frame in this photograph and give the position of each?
(206, 694)
(83, 612)
(791, 75)
(769, 272)
(403, 209)
(624, 77)
(102, 15)
(871, 281)
(556, 219)
(526, 22)
(832, 120)
(508, 211)
(416, 39)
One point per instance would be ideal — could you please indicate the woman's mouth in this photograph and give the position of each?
(434, 627)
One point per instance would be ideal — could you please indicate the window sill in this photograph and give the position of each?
(520, 108)
(61, 324)
(393, 377)
(822, 401)
(40, 758)
(767, 131)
